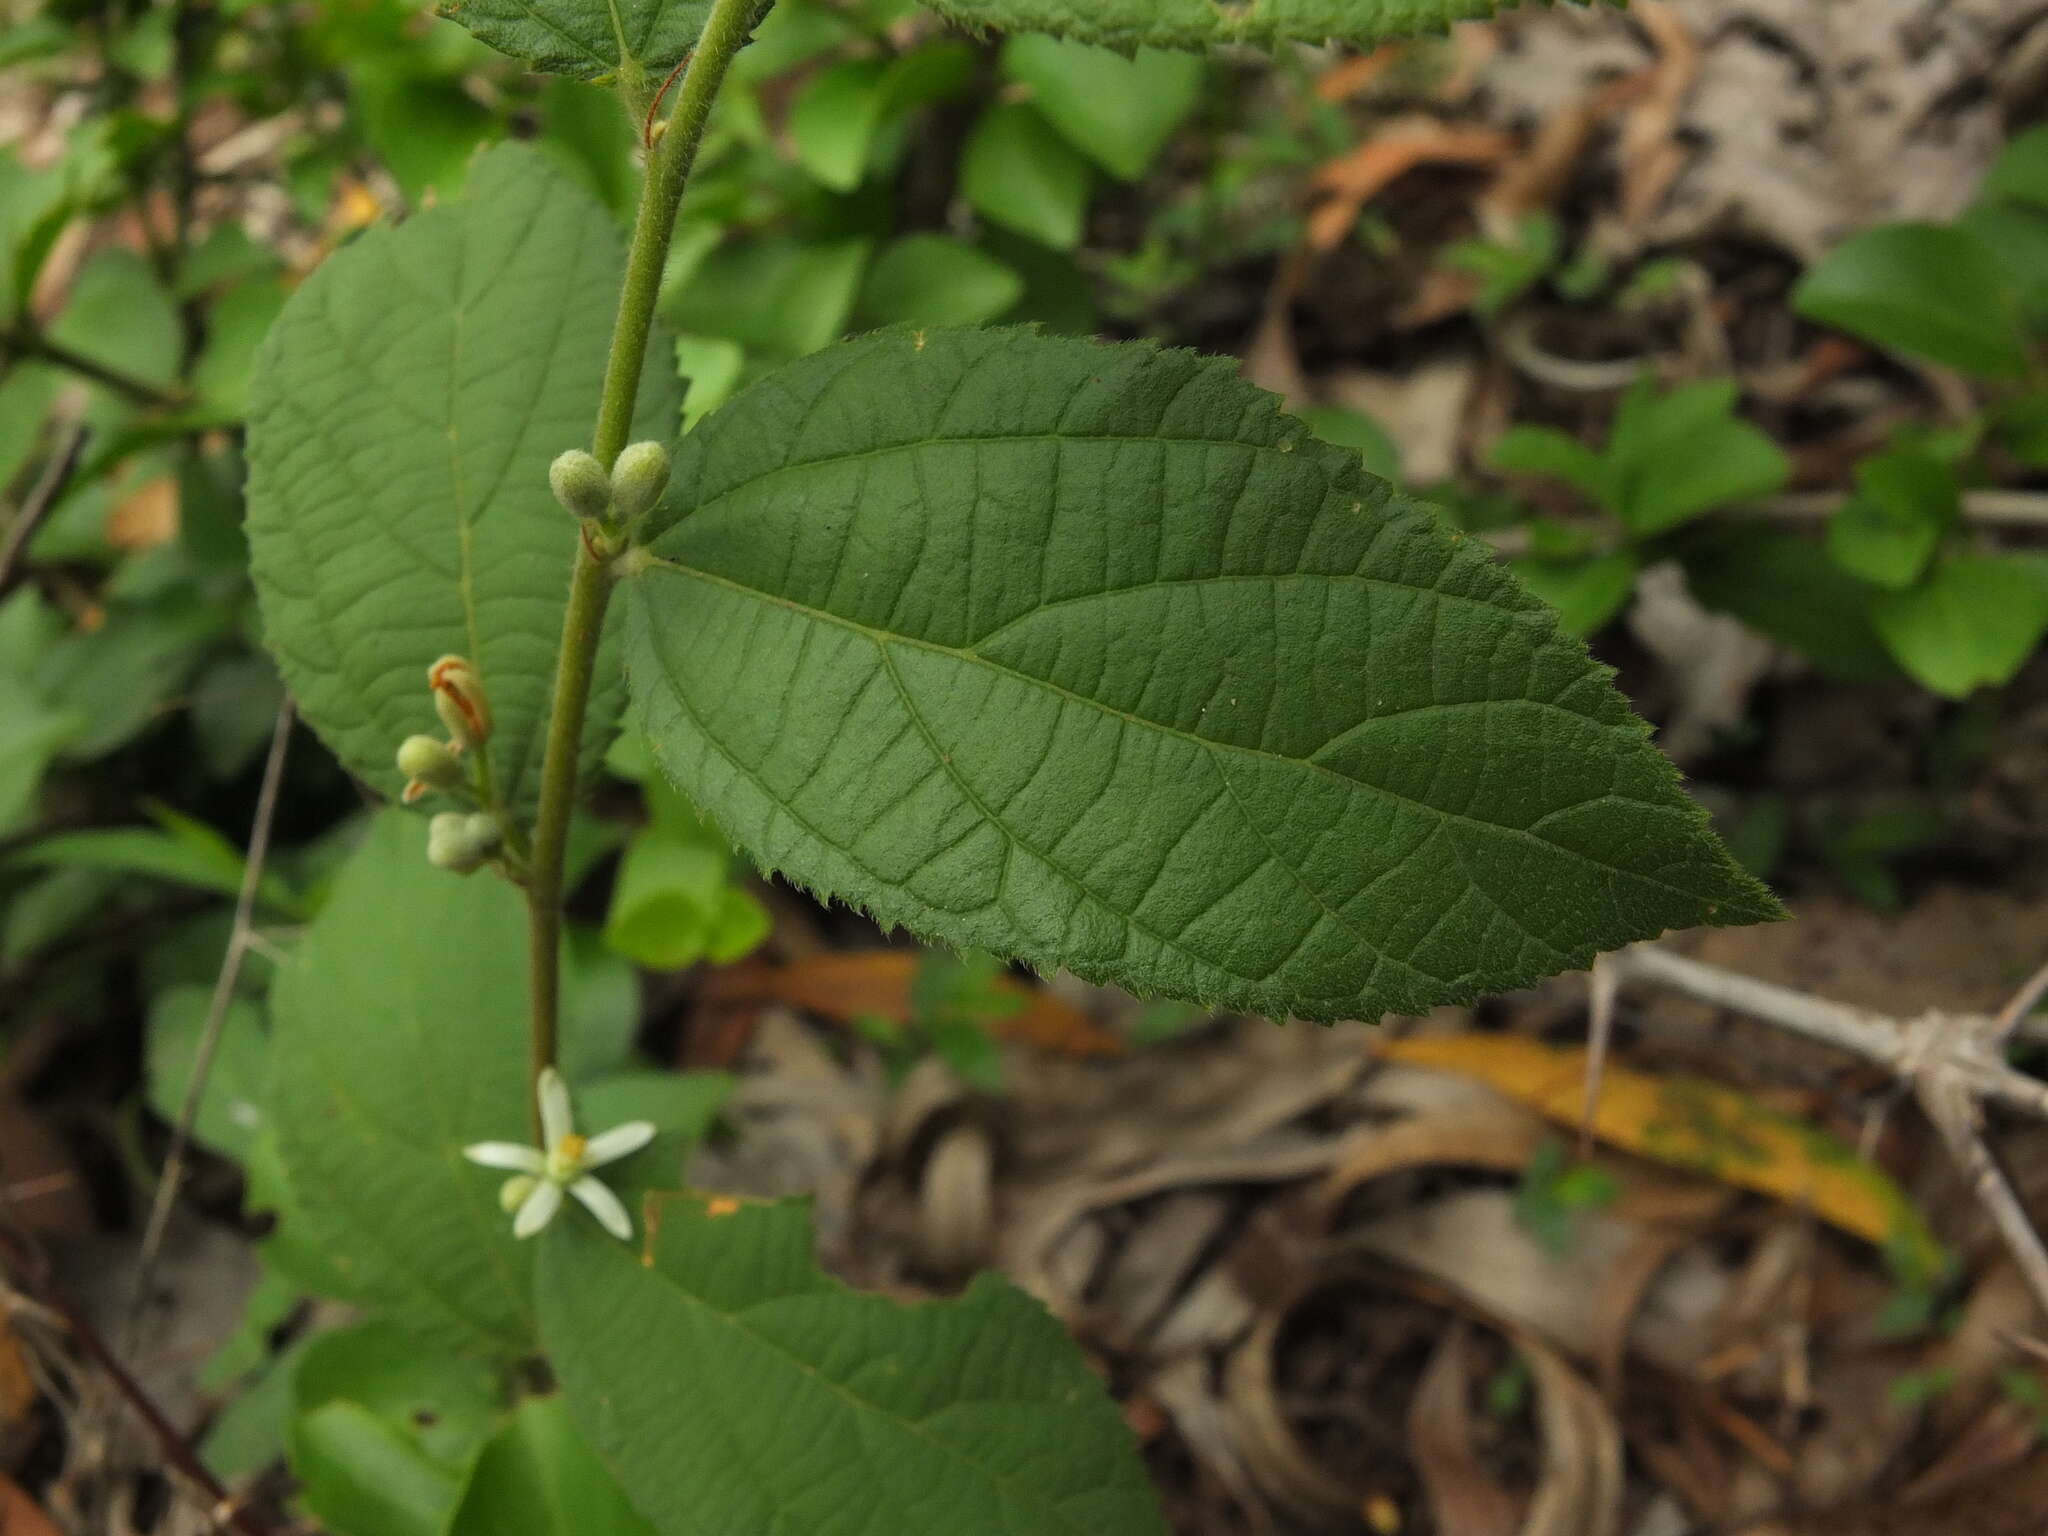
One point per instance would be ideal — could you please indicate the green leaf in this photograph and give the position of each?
(775, 294)
(1117, 111)
(730, 1385)
(119, 316)
(2017, 236)
(1888, 531)
(1972, 623)
(1106, 664)
(2020, 174)
(1207, 24)
(32, 733)
(667, 893)
(840, 125)
(538, 1478)
(249, 1433)
(590, 39)
(928, 279)
(1346, 428)
(2022, 426)
(1017, 172)
(133, 667)
(1677, 455)
(405, 409)
(600, 1007)
(235, 327)
(711, 366)
(230, 1111)
(583, 127)
(1530, 450)
(425, 130)
(832, 124)
(383, 1432)
(398, 1037)
(1789, 588)
(180, 851)
(234, 711)
(1928, 289)
(1587, 592)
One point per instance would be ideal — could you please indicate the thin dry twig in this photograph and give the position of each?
(2020, 509)
(42, 500)
(1606, 986)
(240, 940)
(222, 1509)
(1952, 1062)
(2020, 1004)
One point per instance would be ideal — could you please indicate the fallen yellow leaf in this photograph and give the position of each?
(1701, 1126)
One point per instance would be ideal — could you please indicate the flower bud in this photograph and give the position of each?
(427, 764)
(513, 1192)
(449, 846)
(459, 701)
(639, 476)
(580, 484)
(481, 832)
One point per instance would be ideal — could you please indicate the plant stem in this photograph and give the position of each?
(25, 341)
(726, 31)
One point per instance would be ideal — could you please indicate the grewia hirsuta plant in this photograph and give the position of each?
(1084, 654)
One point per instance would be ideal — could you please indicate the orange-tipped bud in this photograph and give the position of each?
(459, 701)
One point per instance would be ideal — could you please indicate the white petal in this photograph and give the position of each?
(605, 1206)
(620, 1141)
(539, 1209)
(514, 1155)
(554, 1107)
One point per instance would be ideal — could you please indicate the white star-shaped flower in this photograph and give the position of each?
(540, 1175)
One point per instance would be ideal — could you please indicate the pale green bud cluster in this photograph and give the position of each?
(639, 477)
(462, 843)
(428, 764)
(580, 484)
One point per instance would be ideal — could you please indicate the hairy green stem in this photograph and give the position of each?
(726, 31)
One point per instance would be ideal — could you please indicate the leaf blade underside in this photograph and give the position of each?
(1089, 656)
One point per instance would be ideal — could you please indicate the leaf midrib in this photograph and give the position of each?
(885, 637)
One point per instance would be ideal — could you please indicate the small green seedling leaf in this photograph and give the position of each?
(1971, 624)
(731, 1385)
(405, 409)
(1509, 270)
(1886, 533)
(1108, 664)
(397, 1039)
(1670, 457)
(1117, 111)
(1016, 171)
(1533, 450)
(1202, 24)
(601, 40)
(1928, 289)
(1677, 455)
